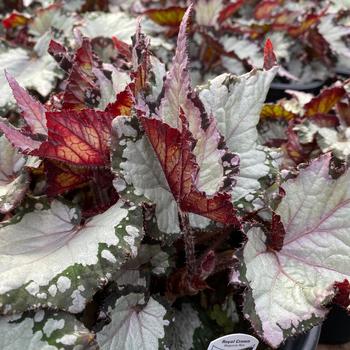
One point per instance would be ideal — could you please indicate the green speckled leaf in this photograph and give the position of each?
(289, 288)
(48, 257)
(44, 330)
(135, 324)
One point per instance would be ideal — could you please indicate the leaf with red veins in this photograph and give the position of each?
(174, 151)
(177, 92)
(270, 59)
(63, 177)
(18, 139)
(82, 90)
(275, 236)
(230, 10)
(123, 103)
(342, 297)
(170, 16)
(288, 289)
(32, 110)
(78, 137)
(325, 101)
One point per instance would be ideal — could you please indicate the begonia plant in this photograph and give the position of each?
(139, 211)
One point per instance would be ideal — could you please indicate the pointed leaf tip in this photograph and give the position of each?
(183, 26)
(270, 59)
(32, 110)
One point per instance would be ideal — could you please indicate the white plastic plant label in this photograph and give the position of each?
(236, 341)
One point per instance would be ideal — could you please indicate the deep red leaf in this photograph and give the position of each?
(81, 90)
(62, 177)
(318, 46)
(174, 151)
(275, 236)
(123, 103)
(342, 297)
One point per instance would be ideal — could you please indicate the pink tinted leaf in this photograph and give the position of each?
(32, 110)
(289, 288)
(177, 85)
(178, 94)
(19, 140)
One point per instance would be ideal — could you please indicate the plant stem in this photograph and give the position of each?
(189, 244)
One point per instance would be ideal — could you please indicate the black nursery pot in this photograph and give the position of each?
(278, 90)
(306, 341)
(336, 327)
